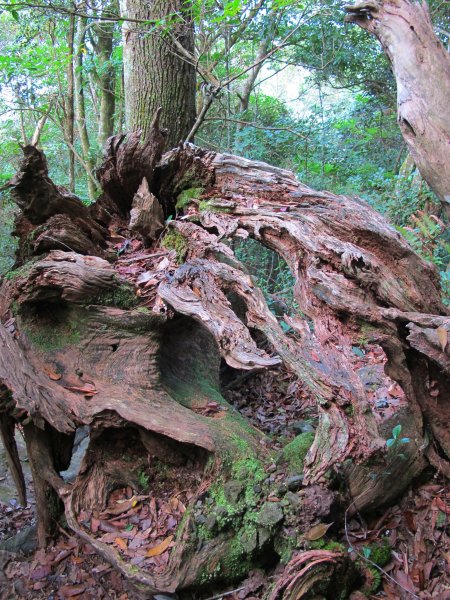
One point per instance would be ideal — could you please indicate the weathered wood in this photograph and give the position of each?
(421, 67)
(146, 215)
(80, 351)
(7, 430)
(349, 265)
(128, 160)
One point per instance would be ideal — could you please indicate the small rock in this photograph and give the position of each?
(257, 489)
(249, 541)
(372, 375)
(211, 521)
(233, 491)
(293, 499)
(382, 404)
(282, 489)
(199, 504)
(24, 542)
(303, 426)
(270, 514)
(263, 536)
(221, 511)
(294, 483)
(271, 468)
(200, 519)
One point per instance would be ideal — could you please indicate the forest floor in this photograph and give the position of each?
(416, 529)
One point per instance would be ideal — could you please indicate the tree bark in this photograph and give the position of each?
(139, 360)
(421, 67)
(154, 75)
(106, 78)
(81, 108)
(69, 103)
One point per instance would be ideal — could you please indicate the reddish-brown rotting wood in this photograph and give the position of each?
(129, 159)
(7, 429)
(348, 262)
(114, 368)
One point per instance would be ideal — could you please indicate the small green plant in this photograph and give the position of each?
(396, 442)
(143, 479)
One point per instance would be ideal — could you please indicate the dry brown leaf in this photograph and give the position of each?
(87, 389)
(121, 543)
(53, 375)
(160, 548)
(318, 531)
(442, 334)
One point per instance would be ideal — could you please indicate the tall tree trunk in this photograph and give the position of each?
(421, 66)
(106, 79)
(69, 108)
(154, 75)
(81, 108)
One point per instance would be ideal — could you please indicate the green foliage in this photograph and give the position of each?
(395, 443)
(271, 274)
(143, 479)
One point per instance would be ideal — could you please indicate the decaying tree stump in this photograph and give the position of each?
(140, 363)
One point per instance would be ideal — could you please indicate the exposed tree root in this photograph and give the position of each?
(135, 352)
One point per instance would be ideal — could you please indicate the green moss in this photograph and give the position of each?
(173, 240)
(48, 339)
(209, 205)
(236, 564)
(330, 545)
(380, 553)
(373, 581)
(23, 271)
(122, 297)
(144, 310)
(294, 453)
(186, 196)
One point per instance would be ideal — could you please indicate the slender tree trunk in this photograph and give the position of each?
(244, 96)
(70, 103)
(421, 66)
(154, 75)
(81, 108)
(106, 76)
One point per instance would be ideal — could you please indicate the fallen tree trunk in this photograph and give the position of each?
(131, 342)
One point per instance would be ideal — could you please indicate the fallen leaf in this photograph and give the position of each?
(160, 548)
(40, 572)
(52, 374)
(442, 334)
(68, 591)
(87, 389)
(318, 531)
(163, 264)
(121, 543)
(95, 524)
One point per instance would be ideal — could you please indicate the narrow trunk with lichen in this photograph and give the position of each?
(133, 334)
